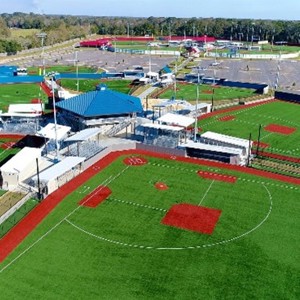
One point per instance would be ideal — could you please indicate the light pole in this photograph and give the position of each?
(76, 61)
(196, 110)
(42, 36)
(55, 120)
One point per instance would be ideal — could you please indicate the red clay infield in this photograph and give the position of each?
(191, 217)
(216, 176)
(161, 186)
(226, 118)
(280, 129)
(135, 161)
(96, 197)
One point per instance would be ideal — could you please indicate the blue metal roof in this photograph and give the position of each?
(102, 102)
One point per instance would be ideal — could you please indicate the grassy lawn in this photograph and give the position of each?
(248, 120)
(17, 216)
(19, 94)
(122, 86)
(120, 250)
(15, 33)
(189, 92)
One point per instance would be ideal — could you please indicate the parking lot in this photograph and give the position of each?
(255, 71)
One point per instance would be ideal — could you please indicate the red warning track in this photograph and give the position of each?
(13, 238)
(11, 136)
(280, 129)
(191, 217)
(234, 108)
(96, 197)
(216, 176)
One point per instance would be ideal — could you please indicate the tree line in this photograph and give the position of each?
(65, 27)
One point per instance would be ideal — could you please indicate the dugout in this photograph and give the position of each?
(227, 141)
(287, 96)
(214, 152)
(57, 175)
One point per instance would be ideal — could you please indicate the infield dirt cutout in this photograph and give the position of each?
(135, 161)
(192, 217)
(96, 197)
(280, 129)
(216, 176)
(226, 118)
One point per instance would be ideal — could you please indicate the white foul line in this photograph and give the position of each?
(206, 192)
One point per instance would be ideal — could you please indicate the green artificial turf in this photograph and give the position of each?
(101, 253)
(248, 120)
(206, 92)
(21, 93)
(122, 86)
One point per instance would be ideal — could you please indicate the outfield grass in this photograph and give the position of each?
(122, 86)
(21, 93)
(206, 92)
(247, 121)
(100, 253)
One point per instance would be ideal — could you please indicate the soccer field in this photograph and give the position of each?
(141, 231)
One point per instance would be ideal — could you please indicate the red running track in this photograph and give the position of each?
(15, 236)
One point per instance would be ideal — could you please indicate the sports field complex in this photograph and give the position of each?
(144, 221)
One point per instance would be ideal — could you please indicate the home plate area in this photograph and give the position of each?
(191, 217)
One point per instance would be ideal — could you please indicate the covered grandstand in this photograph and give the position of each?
(84, 143)
(161, 135)
(102, 107)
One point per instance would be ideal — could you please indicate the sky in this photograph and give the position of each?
(239, 9)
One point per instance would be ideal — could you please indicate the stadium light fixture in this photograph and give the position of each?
(42, 36)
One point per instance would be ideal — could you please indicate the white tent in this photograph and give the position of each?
(163, 127)
(49, 131)
(177, 120)
(84, 135)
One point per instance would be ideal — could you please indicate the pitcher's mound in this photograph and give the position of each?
(161, 186)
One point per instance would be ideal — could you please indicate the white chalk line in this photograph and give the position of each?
(149, 247)
(204, 196)
(106, 182)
